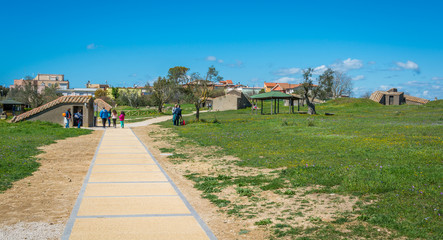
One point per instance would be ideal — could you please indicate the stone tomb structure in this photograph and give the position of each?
(53, 111)
(233, 100)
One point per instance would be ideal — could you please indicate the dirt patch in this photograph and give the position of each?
(239, 219)
(222, 225)
(49, 195)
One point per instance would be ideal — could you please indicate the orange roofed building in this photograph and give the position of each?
(287, 88)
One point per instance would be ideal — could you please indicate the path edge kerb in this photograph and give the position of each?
(194, 213)
(73, 216)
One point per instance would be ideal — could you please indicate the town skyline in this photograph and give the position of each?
(380, 46)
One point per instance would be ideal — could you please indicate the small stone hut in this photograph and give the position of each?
(53, 111)
(393, 97)
(233, 100)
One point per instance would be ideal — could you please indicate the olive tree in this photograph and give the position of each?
(341, 84)
(310, 91)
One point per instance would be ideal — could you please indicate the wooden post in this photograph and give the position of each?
(278, 105)
(275, 106)
(298, 104)
(289, 103)
(261, 109)
(272, 103)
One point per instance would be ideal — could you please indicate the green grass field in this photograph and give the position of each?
(390, 154)
(19, 143)
(143, 113)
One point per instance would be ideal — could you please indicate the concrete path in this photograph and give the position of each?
(127, 195)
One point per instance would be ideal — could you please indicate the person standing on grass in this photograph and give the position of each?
(79, 117)
(178, 114)
(68, 117)
(114, 118)
(104, 116)
(173, 114)
(122, 119)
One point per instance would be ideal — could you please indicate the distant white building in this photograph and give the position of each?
(77, 91)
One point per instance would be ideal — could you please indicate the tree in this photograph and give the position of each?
(115, 93)
(27, 94)
(341, 84)
(177, 77)
(366, 95)
(3, 91)
(162, 91)
(199, 88)
(100, 93)
(311, 91)
(50, 93)
(178, 74)
(131, 98)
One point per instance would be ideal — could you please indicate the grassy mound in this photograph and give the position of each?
(391, 154)
(438, 103)
(352, 102)
(19, 143)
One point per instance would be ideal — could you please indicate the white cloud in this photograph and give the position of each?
(91, 46)
(319, 70)
(211, 58)
(285, 80)
(372, 62)
(409, 65)
(287, 71)
(348, 64)
(359, 77)
(425, 93)
(133, 75)
(437, 78)
(384, 87)
(237, 63)
(416, 84)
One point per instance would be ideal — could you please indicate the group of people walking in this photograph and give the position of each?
(106, 116)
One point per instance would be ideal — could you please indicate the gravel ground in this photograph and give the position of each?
(31, 230)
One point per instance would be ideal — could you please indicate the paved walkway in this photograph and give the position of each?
(127, 195)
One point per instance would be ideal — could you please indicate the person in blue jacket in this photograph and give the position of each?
(104, 116)
(68, 117)
(177, 114)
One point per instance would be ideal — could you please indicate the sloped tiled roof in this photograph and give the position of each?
(60, 100)
(101, 103)
(270, 84)
(226, 82)
(234, 92)
(416, 99)
(284, 86)
(277, 88)
(378, 95)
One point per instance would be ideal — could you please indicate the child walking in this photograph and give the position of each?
(122, 119)
(114, 118)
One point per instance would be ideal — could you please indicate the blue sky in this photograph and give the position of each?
(380, 44)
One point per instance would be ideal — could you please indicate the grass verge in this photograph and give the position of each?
(19, 144)
(390, 156)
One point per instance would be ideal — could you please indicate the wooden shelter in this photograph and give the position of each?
(11, 107)
(275, 96)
